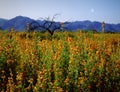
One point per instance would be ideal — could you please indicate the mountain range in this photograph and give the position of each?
(19, 24)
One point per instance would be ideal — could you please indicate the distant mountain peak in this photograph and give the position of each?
(21, 16)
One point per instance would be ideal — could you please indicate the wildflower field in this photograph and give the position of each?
(69, 62)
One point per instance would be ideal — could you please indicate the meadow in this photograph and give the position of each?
(69, 62)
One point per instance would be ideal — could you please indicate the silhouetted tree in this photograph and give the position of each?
(47, 25)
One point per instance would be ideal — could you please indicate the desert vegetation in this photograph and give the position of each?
(70, 62)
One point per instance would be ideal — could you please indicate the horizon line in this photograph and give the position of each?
(59, 20)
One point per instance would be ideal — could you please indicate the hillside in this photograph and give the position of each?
(19, 24)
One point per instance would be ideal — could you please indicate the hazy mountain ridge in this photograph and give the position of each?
(2, 22)
(19, 24)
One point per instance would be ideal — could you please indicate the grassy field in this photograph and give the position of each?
(69, 62)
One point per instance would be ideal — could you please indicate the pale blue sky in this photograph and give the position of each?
(69, 10)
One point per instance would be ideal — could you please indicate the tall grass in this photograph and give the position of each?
(70, 62)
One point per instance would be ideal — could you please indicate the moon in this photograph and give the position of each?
(92, 10)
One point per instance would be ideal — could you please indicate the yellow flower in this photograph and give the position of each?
(67, 81)
(10, 61)
(97, 52)
(83, 62)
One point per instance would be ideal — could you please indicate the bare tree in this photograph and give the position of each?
(48, 25)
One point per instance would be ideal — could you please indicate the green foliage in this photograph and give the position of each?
(65, 62)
